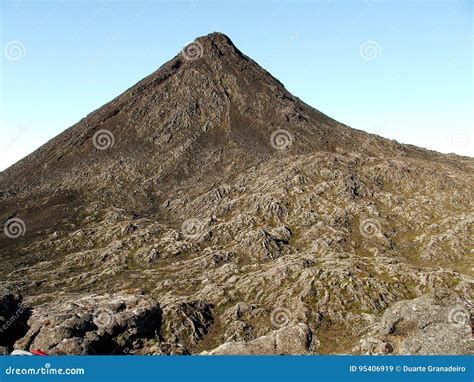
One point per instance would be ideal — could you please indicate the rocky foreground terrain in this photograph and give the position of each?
(207, 210)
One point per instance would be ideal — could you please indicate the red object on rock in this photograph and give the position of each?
(38, 352)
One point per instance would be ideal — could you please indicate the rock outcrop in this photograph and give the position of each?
(289, 340)
(431, 324)
(93, 324)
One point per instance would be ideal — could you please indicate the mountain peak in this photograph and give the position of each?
(213, 45)
(216, 38)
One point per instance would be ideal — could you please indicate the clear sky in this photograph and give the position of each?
(400, 69)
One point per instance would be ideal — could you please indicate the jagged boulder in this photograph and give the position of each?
(288, 340)
(187, 323)
(431, 324)
(93, 324)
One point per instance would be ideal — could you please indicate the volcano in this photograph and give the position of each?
(206, 210)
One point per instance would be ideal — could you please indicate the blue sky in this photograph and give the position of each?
(400, 69)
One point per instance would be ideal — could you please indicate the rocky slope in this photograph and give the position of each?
(208, 210)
